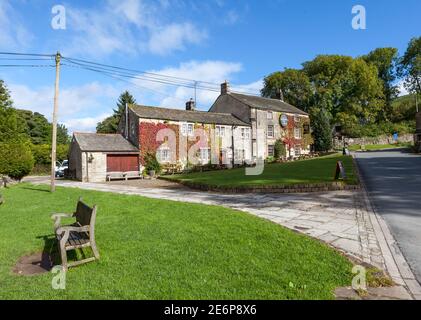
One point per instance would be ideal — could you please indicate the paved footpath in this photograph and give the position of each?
(342, 219)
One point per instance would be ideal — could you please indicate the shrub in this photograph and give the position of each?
(151, 163)
(42, 153)
(279, 149)
(16, 160)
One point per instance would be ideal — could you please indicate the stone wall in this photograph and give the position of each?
(384, 139)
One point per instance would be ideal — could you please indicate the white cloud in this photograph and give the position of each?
(13, 34)
(214, 72)
(76, 104)
(128, 26)
(87, 124)
(174, 37)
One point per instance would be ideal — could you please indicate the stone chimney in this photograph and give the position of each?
(279, 94)
(190, 105)
(225, 88)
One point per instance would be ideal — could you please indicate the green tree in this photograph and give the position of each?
(110, 124)
(410, 66)
(295, 86)
(322, 132)
(16, 160)
(10, 126)
(39, 129)
(385, 60)
(279, 149)
(349, 89)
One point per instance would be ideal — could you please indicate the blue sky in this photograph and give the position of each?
(215, 40)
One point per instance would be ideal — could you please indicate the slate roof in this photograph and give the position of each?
(267, 104)
(98, 142)
(187, 115)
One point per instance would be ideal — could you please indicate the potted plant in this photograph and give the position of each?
(152, 166)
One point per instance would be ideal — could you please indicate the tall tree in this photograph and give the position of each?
(10, 126)
(110, 124)
(322, 129)
(39, 129)
(385, 60)
(295, 86)
(410, 66)
(349, 89)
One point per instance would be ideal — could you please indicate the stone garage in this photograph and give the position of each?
(92, 156)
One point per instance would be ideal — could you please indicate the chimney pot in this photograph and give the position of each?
(190, 105)
(225, 88)
(280, 94)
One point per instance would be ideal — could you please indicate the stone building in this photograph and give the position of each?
(237, 129)
(92, 155)
(223, 135)
(270, 120)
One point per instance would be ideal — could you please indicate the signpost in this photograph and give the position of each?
(340, 171)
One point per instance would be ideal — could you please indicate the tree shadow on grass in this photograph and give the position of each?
(36, 188)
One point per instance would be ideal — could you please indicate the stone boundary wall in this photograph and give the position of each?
(295, 188)
(384, 139)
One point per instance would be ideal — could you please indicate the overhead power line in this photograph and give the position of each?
(118, 71)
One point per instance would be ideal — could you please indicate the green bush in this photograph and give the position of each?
(151, 163)
(42, 153)
(279, 149)
(16, 160)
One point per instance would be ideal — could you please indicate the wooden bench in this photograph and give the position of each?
(114, 175)
(132, 174)
(80, 234)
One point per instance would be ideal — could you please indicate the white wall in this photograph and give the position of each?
(94, 170)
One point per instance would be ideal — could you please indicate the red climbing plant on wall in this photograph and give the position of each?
(147, 137)
(289, 138)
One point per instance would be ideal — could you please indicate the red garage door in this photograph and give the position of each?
(122, 163)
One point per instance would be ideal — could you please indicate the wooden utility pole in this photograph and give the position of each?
(54, 135)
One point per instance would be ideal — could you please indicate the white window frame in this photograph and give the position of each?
(269, 115)
(161, 152)
(273, 131)
(190, 129)
(220, 131)
(184, 128)
(297, 133)
(205, 156)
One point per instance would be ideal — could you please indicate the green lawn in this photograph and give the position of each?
(310, 171)
(156, 249)
(373, 147)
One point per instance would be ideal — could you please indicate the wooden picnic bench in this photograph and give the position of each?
(80, 234)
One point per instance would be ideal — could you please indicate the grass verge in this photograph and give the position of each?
(311, 171)
(158, 249)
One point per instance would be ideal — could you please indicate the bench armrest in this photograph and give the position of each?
(57, 218)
